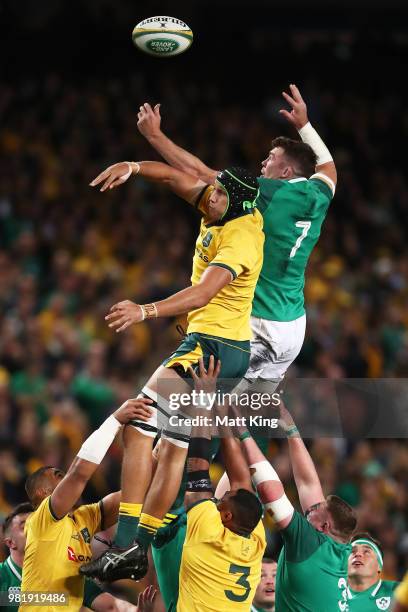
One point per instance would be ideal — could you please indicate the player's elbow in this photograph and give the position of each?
(201, 297)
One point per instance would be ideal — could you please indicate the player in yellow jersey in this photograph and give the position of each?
(58, 537)
(226, 266)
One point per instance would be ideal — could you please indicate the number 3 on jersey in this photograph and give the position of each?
(306, 227)
(242, 581)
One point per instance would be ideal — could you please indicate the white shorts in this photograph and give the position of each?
(274, 346)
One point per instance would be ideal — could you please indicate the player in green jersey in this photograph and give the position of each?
(295, 190)
(264, 600)
(11, 568)
(312, 566)
(367, 592)
(11, 572)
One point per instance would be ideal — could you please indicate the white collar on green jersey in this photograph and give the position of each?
(372, 594)
(14, 568)
(296, 180)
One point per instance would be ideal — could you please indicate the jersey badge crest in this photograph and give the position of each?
(86, 535)
(383, 603)
(207, 239)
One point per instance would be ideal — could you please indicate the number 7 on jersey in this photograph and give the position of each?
(306, 227)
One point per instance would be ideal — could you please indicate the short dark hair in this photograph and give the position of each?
(299, 153)
(343, 515)
(23, 508)
(364, 535)
(35, 480)
(269, 560)
(247, 509)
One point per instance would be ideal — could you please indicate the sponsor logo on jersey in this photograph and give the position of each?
(207, 239)
(76, 536)
(86, 535)
(72, 556)
(383, 603)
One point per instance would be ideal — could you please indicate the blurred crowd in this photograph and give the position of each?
(68, 253)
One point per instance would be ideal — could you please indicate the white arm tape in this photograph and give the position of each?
(96, 446)
(309, 135)
(280, 508)
(263, 472)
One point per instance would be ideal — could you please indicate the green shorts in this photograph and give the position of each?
(91, 592)
(234, 355)
(167, 550)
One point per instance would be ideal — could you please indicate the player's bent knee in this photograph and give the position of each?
(179, 438)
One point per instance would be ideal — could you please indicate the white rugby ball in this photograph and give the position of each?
(162, 36)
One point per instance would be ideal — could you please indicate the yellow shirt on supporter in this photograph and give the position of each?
(55, 550)
(238, 247)
(401, 592)
(220, 569)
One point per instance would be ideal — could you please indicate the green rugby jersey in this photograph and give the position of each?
(377, 597)
(293, 212)
(312, 570)
(10, 581)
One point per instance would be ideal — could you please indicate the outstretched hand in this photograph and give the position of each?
(137, 408)
(208, 377)
(113, 176)
(146, 599)
(123, 314)
(149, 120)
(298, 115)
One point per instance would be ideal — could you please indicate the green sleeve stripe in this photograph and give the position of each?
(54, 516)
(102, 510)
(200, 195)
(221, 265)
(324, 188)
(200, 501)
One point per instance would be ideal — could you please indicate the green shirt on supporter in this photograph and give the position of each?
(293, 212)
(377, 597)
(10, 586)
(10, 581)
(312, 570)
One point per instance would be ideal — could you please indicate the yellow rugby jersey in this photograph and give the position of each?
(55, 550)
(401, 592)
(220, 569)
(238, 247)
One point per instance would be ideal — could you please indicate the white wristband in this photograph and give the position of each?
(96, 446)
(280, 508)
(263, 472)
(309, 135)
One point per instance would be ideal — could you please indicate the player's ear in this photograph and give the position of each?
(287, 172)
(226, 516)
(9, 543)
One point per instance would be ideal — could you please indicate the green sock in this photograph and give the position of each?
(148, 526)
(128, 522)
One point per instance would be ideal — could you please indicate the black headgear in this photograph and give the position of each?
(241, 187)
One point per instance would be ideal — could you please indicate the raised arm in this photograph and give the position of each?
(91, 453)
(184, 185)
(149, 121)
(236, 465)
(267, 482)
(307, 481)
(298, 117)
